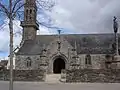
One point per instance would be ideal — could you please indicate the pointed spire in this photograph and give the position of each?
(44, 47)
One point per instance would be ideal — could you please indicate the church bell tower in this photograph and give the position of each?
(30, 25)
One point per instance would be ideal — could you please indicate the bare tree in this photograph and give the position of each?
(11, 11)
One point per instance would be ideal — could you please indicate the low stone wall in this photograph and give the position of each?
(93, 76)
(23, 75)
(1, 75)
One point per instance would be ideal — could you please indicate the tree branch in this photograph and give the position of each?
(46, 5)
(4, 9)
(2, 26)
(15, 5)
(48, 26)
(18, 9)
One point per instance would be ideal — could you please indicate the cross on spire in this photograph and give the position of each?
(115, 24)
(115, 27)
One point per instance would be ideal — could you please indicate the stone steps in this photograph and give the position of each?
(53, 78)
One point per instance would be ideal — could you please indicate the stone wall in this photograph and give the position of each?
(93, 76)
(24, 75)
(21, 60)
(97, 61)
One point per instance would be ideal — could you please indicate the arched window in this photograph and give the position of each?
(30, 14)
(88, 59)
(28, 62)
(27, 11)
(30, 11)
(27, 14)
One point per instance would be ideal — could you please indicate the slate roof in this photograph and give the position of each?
(86, 43)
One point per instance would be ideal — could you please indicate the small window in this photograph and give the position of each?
(29, 62)
(88, 59)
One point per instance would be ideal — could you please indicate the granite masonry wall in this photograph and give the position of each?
(97, 61)
(93, 76)
(21, 62)
(24, 75)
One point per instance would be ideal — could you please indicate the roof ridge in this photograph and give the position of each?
(79, 34)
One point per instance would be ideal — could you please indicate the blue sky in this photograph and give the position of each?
(3, 54)
(73, 16)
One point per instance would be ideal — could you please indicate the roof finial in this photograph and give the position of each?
(59, 32)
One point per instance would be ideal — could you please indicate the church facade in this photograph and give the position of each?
(63, 51)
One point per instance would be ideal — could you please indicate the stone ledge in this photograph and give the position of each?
(24, 75)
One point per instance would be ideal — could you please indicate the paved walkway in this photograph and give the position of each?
(59, 86)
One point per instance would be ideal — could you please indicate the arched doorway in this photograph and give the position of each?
(58, 65)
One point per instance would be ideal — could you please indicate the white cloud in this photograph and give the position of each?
(44, 31)
(4, 36)
(86, 16)
(82, 16)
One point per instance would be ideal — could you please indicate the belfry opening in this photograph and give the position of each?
(58, 65)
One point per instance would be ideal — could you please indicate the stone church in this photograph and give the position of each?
(63, 51)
